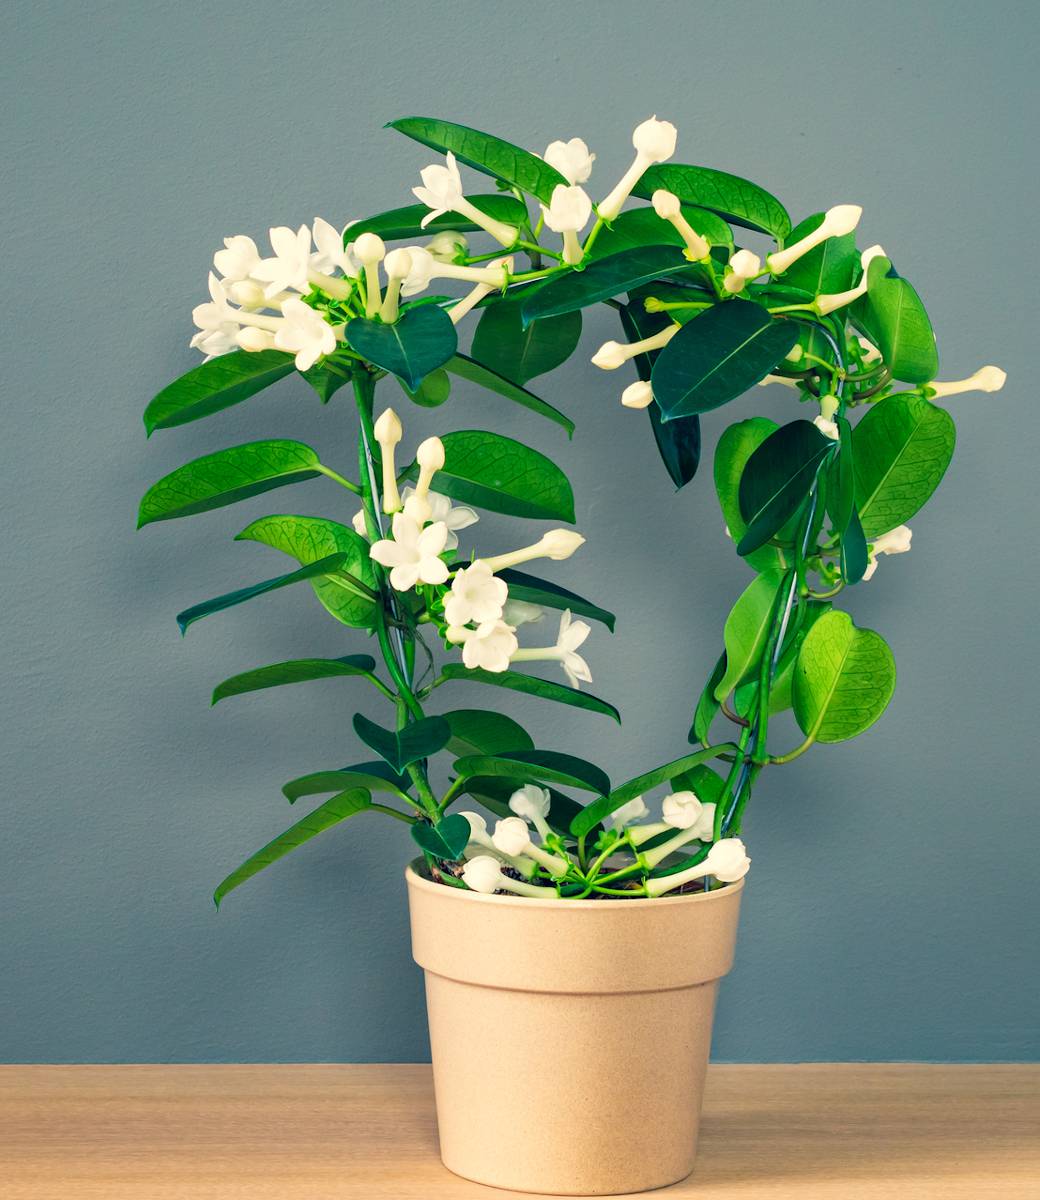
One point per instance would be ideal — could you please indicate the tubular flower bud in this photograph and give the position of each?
(430, 457)
(479, 836)
(637, 395)
(426, 267)
(388, 433)
(612, 355)
(896, 541)
(694, 821)
(985, 379)
(767, 379)
(497, 277)
(557, 544)
(511, 837)
(484, 874)
(398, 266)
(654, 141)
(531, 803)
(667, 206)
(827, 304)
(841, 219)
(572, 159)
(568, 213)
(442, 192)
(628, 814)
(370, 250)
(727, 860)
(249, 338)
(447, 246)
(743, 266)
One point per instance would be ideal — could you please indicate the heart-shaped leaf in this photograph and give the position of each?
(446, 840)
(738, 200)
(402, 747)
(299, 670)
(418, 342)
(777, 479)
(475, 372)
(520, 352)
(432, 392)
(476, 731)
(327, 379)
(747, 629)
(531, 685)
(406, 222)
(548, 765)
(215, 385)
(892, 316)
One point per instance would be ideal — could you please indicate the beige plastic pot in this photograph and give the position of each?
(570, 1038)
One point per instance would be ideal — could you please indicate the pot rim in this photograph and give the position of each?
(414, 879)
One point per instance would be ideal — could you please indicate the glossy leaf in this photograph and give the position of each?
(843, 680)
(339, 808)
(317, 570)
(518, 352)
(501, 475)
(717, 356)
(777, 479)
(327, 381)
(406, 222)
(538, 765)
(227, 476)
(215, 385)
(903, 446)
(494, 791)
(475, 372)
(376, 776)
(447, 839)
(478, 731)
(732, 451)
(853, 559)
(310, 538)
(892, 316)
(531, 685)
(707, 706)
(432, 392)
(603, 278)
(841, 479)
(803, 618)
(832, 266)
(643, 227)
(402, 747)
(418, 342)
(490, 155)
(747, 629)
(738, 200)
(707, 785)
(300, 670)
(550, 595)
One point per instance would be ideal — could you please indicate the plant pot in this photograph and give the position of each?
(570, 1038)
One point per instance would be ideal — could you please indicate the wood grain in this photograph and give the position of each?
(840, 1132)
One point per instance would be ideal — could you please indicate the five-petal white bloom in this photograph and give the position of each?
(238, 259)
(476, 596)
(572, 634)
(290, 263)
(568, 213)
(532, 803)
(412, 555)
(441, 191)
(305, 333)
(488, 647)
(572, 159)
(440, 508)
(628, 814)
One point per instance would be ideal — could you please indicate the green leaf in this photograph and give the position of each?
(854, 557)
(549, 766)
(502, 475)
(402, 747)
(215, 385)
(494, 792)
(804, 617)
(327, 381)
(418, 342)
(707, 785)
(226, 477)
(447, 839)
(777, 478)
(323, 567)
(643, 227)
(503, 343)
(841, 479)
(339, 808)
(406, 222)
(738, 200)
(747, 629)
(475, 372)
(494, 157)
(843, 680)
(717, 356)
(892, 316)
(707, 706)
(832, 266)
(903, 446)
(477, 731)
(550, 595)
(532, 686)
(732, 451)
(308, 539)
(299, 670)
(432, 392)
(376, 776)
(603, 278)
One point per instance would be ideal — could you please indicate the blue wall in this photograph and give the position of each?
(886, 914)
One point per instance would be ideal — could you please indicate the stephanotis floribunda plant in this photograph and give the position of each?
(812, 504)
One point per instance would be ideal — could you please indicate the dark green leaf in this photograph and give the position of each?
(418, 342)
(376, 776)
(226, 477)
(323, 567)
(494, 157)
(732, 451)
(841, 479)
(494, 791)
(538, 765)
(603, 278)
(903, 446)
(892, 316)
(475, 372)
(832, 266)
(402, 747)
(406, 222)
(477, 731)
(803, 617)
(502, 475)
(777, 478)
(432, 392)
(707, 706)
(503, 343)
(216, 385)
(532, 686)
(853, 550)
(299, 670)
(707, 785)
(346, 804)
(717, 356)
(447, 839)
(550, 595)
(643, 227)
(747, 630)
(738, 200)
(326, 380)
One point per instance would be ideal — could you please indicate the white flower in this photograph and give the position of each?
(413, 553)
(628, 814)
(304, 333)
(440, 508)
(253, 339)
(496, 275)
(668, 208)
(727, 860)
(572, 159)
(681, 810)
(370, 250)
(250, 295)
(612, 355)
(476, 596)
(841, 219)
(827, 427)
(519, 612)
(331, 253)
(238, 259)
(985, 379)
(217, 322)
(637, 395)
(483, 874)
(742, 267)
(388, 433)
(290, 264)
(511, 837)
(359, 523)
(825, 304)
(447, 245)
(767, 379)
(557, 544)
(896, 541)
(430, 457)
(442, 192)
(531, 803)
(568, 213)
(654, 141)
(488, 647)
(571, 635)
(477, 824)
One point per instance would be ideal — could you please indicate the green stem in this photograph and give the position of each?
(351, 487)
(392, 812)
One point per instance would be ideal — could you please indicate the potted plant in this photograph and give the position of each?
(563, 929)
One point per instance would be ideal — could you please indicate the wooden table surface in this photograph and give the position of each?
(844, 1132)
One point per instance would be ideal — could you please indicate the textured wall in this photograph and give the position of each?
(885, 916)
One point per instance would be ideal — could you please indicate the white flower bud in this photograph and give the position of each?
(430, 455)
(477, 824)
(369, 249)
(254, 339)
(666, 204)
(530, 801)
(727, 860)
(985, 379)
(828, 428)
(825, 304)
(681, 809)
(655, 139)
(637, 395)
(628, 814)
(610, 356)
(569, 210)
(837, 221)
(896, 541)
(482, 874)
(742, 266)
(559, 544)
(447, 246)
(511, 836)
(398, 264)
(388, 428)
